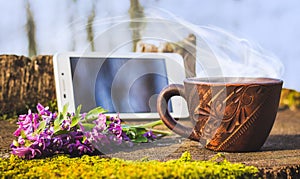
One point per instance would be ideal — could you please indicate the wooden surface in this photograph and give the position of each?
(279, 157)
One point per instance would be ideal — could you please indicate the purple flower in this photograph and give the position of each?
(116, 119)
(35, 121)
(49, 131)
(107, 133)
(115, 128)
(100, 122)
(115, 139)
(31, 137)
(82, 149)
(25, 152)
(45, 142)
(53, 115)
(41, 143)
(79, 147)
(43, 110)
(27, 123)
(21, 141)
(66, 124)
(57, 143)
(149, 135)
(18, 131)
(26, 120)
(36, 137)
(100, 138)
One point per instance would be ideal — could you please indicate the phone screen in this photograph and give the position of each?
(119, 85)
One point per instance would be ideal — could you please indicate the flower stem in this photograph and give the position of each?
(160, 132)
(150, 124)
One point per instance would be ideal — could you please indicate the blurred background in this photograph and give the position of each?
(34, 27)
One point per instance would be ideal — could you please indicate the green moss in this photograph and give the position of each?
(290, 99)
(63, 166)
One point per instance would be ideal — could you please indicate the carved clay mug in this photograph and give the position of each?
(227, 113)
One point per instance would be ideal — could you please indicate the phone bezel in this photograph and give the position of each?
(64, 86)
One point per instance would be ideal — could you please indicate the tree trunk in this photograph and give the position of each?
(30, 28)
(136, 11)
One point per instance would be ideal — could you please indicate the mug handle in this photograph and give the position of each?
(162, 108)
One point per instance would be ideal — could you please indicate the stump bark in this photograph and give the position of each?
(25, 82)
(186, 48)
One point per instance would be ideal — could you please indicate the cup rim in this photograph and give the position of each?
(232, 80)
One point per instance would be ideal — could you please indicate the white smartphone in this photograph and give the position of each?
(126, 84)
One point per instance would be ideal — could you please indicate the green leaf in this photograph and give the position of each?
(15, 143)
(60, 132)
(23, 135)
(140, 130)
(94, 113)
(125, 128)
(84, 138)
(59, 119)
(140, 139)
(61, 116)
(56, 128)
(28, 143)
(65, 109)
(131, 134)
(56, 121)
(76, 118)
(77, 112)
(88, 126)
(41, 127)
(75, 121)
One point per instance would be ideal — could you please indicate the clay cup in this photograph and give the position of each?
(226, 113)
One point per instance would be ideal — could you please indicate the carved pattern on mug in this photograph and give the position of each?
(228, 111)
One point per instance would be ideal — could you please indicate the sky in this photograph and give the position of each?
(60, 25)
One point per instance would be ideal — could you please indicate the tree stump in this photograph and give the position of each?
(25, 82)
(186, 48)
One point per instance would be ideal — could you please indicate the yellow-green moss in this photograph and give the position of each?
(289, 99)
(96, 167)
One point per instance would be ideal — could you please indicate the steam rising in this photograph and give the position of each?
(236, 56)
(219, 53)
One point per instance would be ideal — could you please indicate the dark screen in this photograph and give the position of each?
(124, 85)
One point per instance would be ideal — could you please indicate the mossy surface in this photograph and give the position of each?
(289, 99)
(63, 166)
